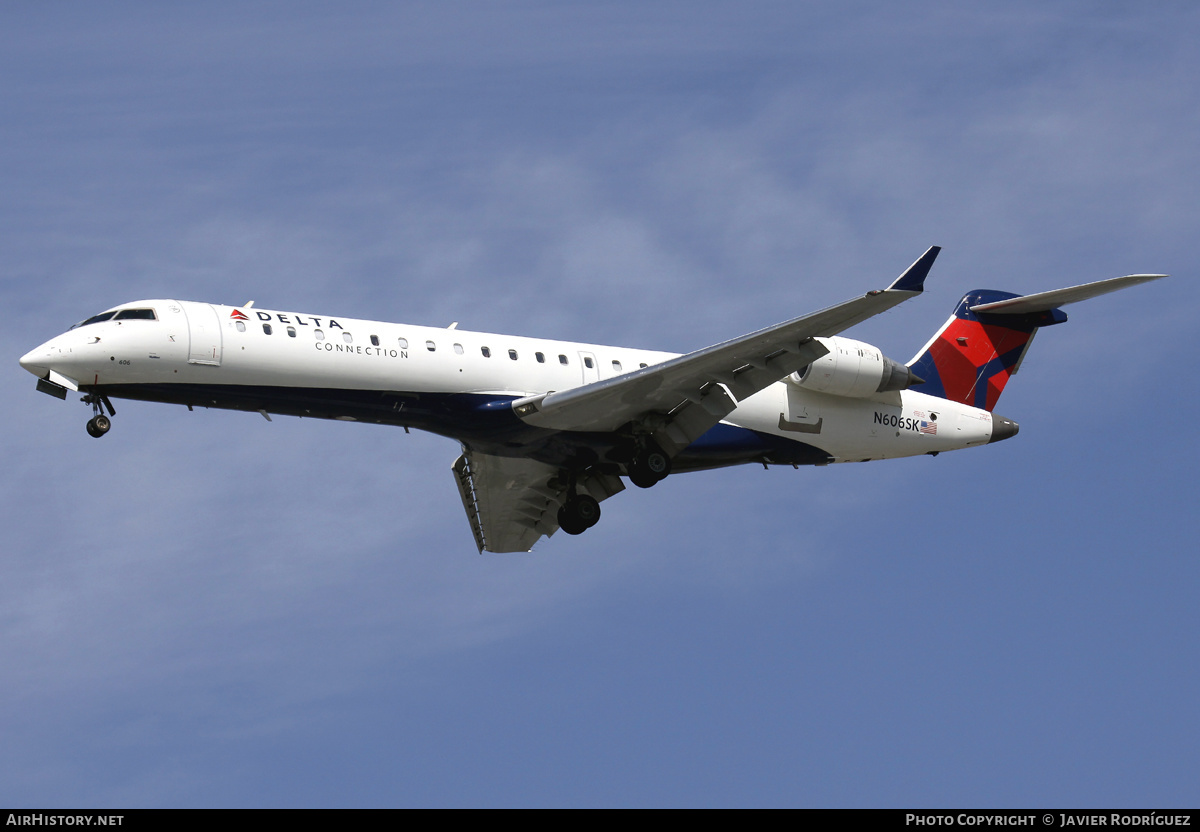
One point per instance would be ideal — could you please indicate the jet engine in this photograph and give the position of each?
(854, 369)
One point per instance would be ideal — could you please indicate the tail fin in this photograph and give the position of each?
(971, 357)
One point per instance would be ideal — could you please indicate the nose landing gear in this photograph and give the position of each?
(99, 424)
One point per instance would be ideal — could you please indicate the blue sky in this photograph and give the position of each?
(204, 609)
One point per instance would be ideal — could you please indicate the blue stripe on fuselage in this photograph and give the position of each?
(484, 421)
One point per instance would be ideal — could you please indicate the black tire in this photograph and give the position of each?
(569, 523)
(586, 508)
(91, 429)
(102, 423)
(640, 477)
(651, 465)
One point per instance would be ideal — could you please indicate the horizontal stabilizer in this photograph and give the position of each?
(1045, 301)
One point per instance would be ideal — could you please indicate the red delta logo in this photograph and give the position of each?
(239, 315)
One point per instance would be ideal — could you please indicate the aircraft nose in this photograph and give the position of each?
(36, 361)
(1002, 428)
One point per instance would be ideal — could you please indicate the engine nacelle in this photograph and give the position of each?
(852, 368)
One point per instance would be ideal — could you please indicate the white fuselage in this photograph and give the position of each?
(284, 362)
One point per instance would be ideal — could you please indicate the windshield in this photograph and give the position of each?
(120, 315)
(136, 315)
(95, 319)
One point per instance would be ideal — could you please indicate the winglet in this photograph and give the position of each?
(913, 280)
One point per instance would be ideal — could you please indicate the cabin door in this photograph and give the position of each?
(204, 333)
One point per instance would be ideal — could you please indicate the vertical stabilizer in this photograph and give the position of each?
(972, 356)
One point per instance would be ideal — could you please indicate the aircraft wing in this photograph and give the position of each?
(512, 502)
(693, 392)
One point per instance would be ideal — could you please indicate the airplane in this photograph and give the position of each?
(548, 429)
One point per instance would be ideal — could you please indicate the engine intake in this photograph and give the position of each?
(854, 369)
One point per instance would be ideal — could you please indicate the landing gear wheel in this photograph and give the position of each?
(656, 462)
(586, 508)
(649, 467)
(579, 514)
(642, 478)
(99, 424)
(569, 523)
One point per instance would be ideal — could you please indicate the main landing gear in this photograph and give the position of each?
(649, 466)
(99, 424)
(579, 513)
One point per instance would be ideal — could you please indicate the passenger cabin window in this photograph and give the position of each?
(136, 315)
(291, 332)
(562, 359)
(319, 334)
(241, 326)
(403, 343)
(347, 337)
(487, 351)
(429, 345)
(541, 359)
(374, 340)
(587, 362)
(458, 349)
(267, 328)
(642, 365)
(616, 366)
(512, 354)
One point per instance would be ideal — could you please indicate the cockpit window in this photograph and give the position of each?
(136, 315)
(95, 319)
(120, 315)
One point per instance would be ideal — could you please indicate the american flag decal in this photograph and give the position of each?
(928, 427)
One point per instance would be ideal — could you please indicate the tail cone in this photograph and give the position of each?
(1002, 428)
